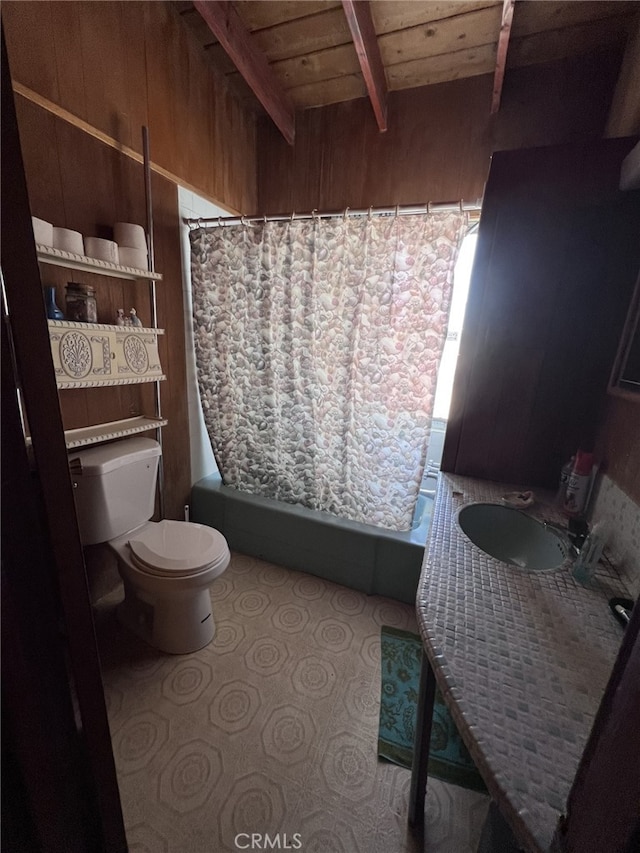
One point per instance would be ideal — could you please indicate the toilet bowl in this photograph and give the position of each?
(166, 566)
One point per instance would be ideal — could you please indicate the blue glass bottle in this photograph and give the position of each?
(53, 312)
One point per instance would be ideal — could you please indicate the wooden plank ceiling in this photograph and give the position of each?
(309, 46)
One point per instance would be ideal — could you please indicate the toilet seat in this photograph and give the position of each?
(178, 549)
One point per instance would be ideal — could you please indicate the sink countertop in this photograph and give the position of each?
(521, 658)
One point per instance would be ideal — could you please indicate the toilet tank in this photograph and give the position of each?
(115, 491)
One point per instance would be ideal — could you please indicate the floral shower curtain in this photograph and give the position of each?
(318, 343)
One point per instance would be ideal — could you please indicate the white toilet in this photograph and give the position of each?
(166, 566)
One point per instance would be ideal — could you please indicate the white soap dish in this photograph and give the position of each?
(519, 500)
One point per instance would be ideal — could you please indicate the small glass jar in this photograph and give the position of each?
(81, 303)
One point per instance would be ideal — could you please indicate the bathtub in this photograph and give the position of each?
(370, 559)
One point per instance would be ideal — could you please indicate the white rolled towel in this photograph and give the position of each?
(42, 231)
(131, 235)
(68, 241)
(136, 258)
(103, 250)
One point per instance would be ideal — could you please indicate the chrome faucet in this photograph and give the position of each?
(576, 532)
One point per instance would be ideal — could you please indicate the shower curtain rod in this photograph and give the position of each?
(398, 210)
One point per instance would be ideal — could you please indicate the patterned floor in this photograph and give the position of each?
(272, 729)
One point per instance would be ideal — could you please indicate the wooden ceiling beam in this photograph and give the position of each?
(501, 58)
(363, 33)
(224, 22)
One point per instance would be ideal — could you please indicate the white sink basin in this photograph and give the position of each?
(513, 537)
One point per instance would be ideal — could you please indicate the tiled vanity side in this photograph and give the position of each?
(622, 518)
(522, 659)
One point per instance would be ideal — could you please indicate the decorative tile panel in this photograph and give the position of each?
(86, 355)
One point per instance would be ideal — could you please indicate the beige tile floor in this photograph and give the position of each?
(271, 729)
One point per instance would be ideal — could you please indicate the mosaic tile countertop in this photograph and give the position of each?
(522, 659)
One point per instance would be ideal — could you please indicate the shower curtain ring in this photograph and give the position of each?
(265, 219)
(292, 215)
(397, 210)
(370, 214)
(429, 207)
(219, 222)
(346, 213)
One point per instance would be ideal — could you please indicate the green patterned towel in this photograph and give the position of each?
(449, 758)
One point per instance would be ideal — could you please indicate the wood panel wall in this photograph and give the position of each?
(88, 192)
(440, 138)
(436, 148)
(618, 444)
(99, 71)
(121, 65)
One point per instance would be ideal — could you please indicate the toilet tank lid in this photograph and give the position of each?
(107, 457)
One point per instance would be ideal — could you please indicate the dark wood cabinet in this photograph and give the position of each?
(557, 259)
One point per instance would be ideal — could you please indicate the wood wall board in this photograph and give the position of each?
(316, 67)
(556, 103)
(304, 35)
(68, 57)
(450, 34)
(251, 62)
(57, 111)
(103, 69)
(554, 44)
(34, 62)
(74, 408)
(88, 197)
(175, 436)
(537, 17)
(301, 36)
(135, 64)
(89, 202)
(163, 87)
(388, 15)
(199, 141)
(43, 160)
(335, 91)
(555, 263)
(219, 56)
(420, 72)
(439, 69)
(120, 66)
(258, 15)
(391, 15)
(197, 25)
(239, 87)
(340, 158)
(618, 444)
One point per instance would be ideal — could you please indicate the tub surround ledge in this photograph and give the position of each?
(522, 659)
(359, 556)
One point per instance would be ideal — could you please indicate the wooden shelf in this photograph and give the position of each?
(102, 354)
(58, 258)
(103, 327)
(108, 431)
